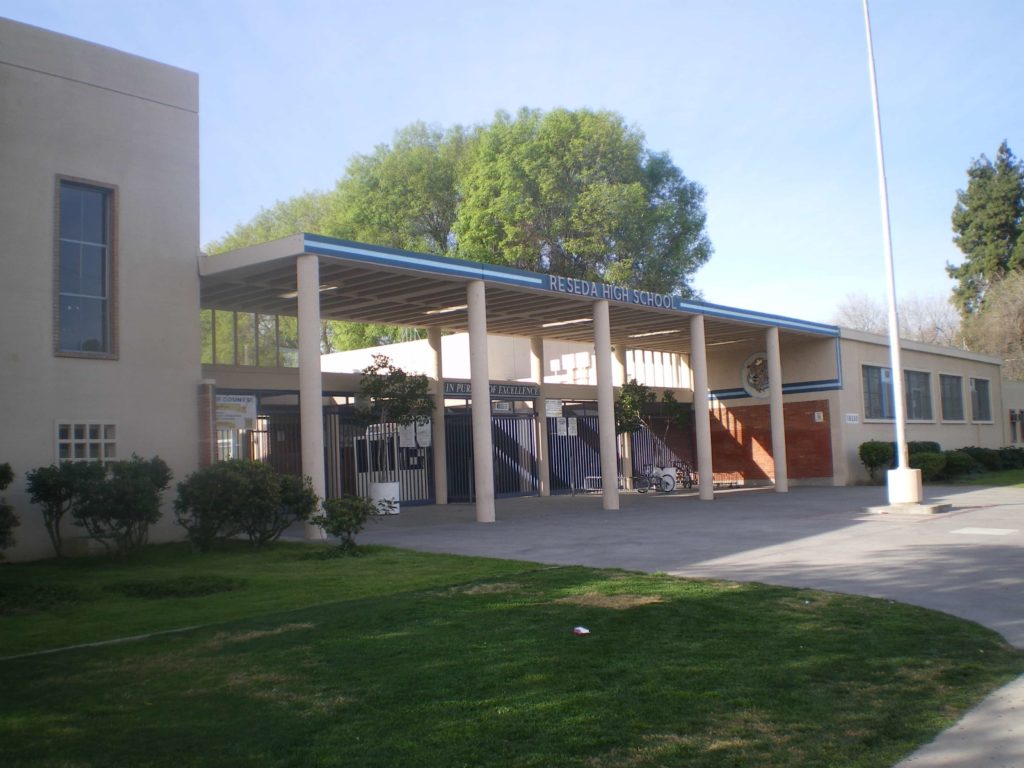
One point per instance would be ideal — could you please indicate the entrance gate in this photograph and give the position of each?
(514, 457)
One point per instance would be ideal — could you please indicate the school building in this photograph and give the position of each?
(118, 337)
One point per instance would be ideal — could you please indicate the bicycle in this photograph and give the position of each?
(656, 478)
(684, 474)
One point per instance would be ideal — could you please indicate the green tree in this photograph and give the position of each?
(987, 227)
(577, 193)
(308, 212)
(406, 195)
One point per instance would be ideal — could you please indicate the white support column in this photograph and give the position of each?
(311, 409)
(480, 383)
(701, 414)
(620, 373)
(540, 406)
(605, 405)
(437, 433)
(776, 409)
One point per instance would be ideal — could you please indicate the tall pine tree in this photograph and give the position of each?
(987, 222)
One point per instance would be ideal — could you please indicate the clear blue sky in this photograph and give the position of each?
(766, 103)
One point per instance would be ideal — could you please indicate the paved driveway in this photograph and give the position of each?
(968, 562)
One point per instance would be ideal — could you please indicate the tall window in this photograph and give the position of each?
(84, 267)
(877, 393)
(952, 390)
(981, 405)
(919, 395)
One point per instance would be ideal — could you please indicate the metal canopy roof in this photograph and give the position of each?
(372, 284)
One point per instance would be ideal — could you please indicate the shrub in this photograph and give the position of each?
(931, 465)
(989, 458)
(922, 446)
(119, 509)
(1012, 458)
(346, 516)
(959, 464)
(8, 520)
(288, 500)
(237, 496)
(60, 489)
(876, 455)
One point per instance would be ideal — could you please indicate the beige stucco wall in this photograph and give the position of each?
(75, 109)
(868, 349)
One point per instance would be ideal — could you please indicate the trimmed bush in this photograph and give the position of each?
(60, 489)
(876, 455)
(989, 458)
(1012, 458)
(118, 510)
(233, 497)
(932, 465)
(959, 464)
(923, 446)
(8, 520)
(344, 517)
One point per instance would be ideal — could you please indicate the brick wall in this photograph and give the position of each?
(741, 441)
(207, 424)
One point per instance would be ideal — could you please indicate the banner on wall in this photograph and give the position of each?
(236, 412)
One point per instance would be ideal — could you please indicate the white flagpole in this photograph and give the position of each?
(903, 488)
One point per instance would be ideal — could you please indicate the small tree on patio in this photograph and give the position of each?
(389, 397)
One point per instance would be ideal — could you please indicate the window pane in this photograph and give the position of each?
(94, 215)
(94, 270)
(952, 397)
(878, 396)
(246, 338)
(206, 331)
(266, 328)
(981, 407)
(92, 325)
(70, 268)
(288, 328)
(109, 432)
(225, 330)
(70, 212)
(918, 395)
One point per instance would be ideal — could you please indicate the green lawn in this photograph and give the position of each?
(1010, 477)
(407, 659)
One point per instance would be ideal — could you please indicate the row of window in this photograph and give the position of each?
(247, 338)
(917, 385)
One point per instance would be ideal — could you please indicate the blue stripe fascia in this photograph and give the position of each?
(761, 318)
(824, 385)
(452, 267)
(438, 265)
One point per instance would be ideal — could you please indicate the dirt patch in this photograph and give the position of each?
(226, 638)
(614, 602)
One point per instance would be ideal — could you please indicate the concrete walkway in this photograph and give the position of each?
(968, 562)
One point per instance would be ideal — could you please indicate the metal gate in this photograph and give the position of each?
(574, 452)
(393, 455)
(514, 455)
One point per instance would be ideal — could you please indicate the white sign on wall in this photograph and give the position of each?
(853, 418)
(552, 408)
(236, 412)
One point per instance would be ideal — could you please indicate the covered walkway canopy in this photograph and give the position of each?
(315, 277)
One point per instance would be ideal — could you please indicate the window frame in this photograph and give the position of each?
(112, 352)
(988, 400)
(99, 436)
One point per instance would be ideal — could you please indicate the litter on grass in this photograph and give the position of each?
(580, 631)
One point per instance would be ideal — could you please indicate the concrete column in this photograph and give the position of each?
(537, 376)
(776, 409)
(437, 433)
(620, 373)
(480, 382)
(311, 410)
(605, 405)
(701, 415)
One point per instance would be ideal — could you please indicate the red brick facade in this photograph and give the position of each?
(741, 441)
